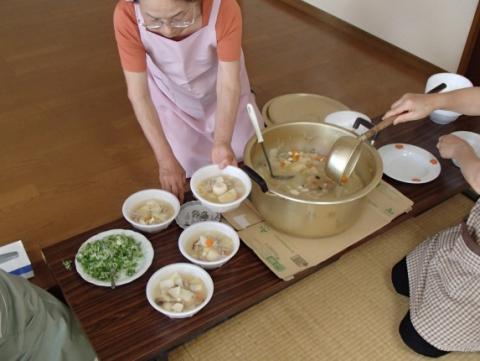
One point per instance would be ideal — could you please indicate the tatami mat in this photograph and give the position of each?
(345, 311)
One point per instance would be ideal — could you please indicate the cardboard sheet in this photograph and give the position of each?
(287, 255)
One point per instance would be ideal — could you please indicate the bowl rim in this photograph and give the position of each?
(210, 289)
(339, 118)
(195, 179)
(464, 134)
(182, 240)
(176, 209)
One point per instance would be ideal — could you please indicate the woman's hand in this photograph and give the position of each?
(223, 155)
(451, 146)
(172, 177)
(411, 107)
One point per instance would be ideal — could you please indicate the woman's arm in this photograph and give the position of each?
(171, 174)
(465, 101)
(228, 97)
(450, 147)
(418, 106)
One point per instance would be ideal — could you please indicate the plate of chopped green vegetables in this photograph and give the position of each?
(114, 258)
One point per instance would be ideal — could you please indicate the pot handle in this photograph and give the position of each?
(257, 178)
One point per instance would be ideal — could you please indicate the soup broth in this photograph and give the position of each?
(179, 292)
(221, 189)
(210, 246)
(153, 211)
(309, 181)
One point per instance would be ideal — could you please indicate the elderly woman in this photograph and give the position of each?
(187, 82)
(442, 275)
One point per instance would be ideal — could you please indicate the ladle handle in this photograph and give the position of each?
(389, 121)
(380, 126)
(253, 118)
(437, 89)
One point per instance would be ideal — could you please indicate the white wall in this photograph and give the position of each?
(434, 30)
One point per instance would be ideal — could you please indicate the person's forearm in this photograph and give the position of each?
(148, 118)
(228, 97)
(470, 167)
(465, 101)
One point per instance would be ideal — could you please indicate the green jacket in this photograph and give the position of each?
(34, 325)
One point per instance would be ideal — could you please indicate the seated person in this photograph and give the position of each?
(34, 325)
(442, 275)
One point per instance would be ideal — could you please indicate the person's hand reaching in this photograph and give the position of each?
(411, 107)
(172, 177)
(223, 155)
(452, 147)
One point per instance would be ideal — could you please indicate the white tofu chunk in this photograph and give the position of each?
(168, 283)
(177, 307)
(228, 197)
(186, 295)
(212, 255)
(175, 292)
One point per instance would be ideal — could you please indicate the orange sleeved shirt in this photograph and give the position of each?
(131, 49)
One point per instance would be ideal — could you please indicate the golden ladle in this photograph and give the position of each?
(346, 151)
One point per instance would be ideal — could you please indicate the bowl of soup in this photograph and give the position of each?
(209, 244)
(179, 290)
(220, 190)
(307, 203)
(151, 210)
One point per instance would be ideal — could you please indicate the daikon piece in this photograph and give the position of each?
(228, 197)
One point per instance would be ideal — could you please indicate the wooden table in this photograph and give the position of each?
(123, 326)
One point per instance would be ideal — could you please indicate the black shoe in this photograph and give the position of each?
(413, 340)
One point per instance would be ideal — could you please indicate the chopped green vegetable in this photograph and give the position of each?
(67, 264)
(110, 257)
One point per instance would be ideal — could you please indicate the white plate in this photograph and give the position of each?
(346, 119)
(409, 163)
(471, 138)
(147, 250)
(194, 212)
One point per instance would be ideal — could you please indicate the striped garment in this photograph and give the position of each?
(444, 281)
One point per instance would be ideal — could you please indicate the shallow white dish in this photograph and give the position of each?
(187, 235)
(144, 195)
(147, 250)
(194, 212)
(213, 171)
(346, 119)
(182, 268)
(471, 138)
(409, 163)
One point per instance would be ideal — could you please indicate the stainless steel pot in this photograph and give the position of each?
(309, 218)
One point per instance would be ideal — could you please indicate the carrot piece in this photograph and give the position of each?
(209, 242)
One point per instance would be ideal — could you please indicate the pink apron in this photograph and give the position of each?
(182, 78)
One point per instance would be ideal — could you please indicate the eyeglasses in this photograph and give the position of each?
(174, 23)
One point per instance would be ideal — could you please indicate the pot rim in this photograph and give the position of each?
(353, 197)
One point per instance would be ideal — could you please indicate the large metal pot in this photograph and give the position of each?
(309, 218)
